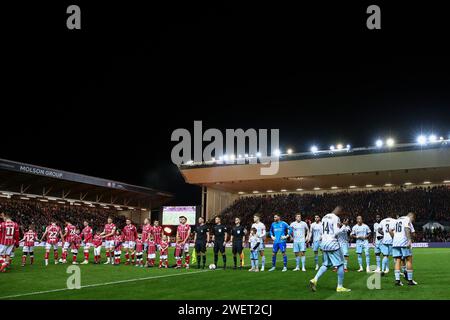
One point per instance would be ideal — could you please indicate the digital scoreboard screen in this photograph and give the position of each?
(170, 215)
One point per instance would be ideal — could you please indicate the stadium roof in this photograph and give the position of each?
(331, 171)
(21, 179)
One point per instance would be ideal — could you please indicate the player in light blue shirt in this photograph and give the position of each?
(279, 232)
(299, 233)
(316, 234)
(377, 241)
(361, 233)
(343, 238)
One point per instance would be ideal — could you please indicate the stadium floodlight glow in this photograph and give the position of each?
(314, 149)
(446, 181)
(277, 152)
(299, 189)
(225, 157)
(239, 156)
(379, 143)
(334, 187)
(388, 184)
(24, 198)
(232, 157)
(258, 154)
(61, 202)
(316, 188)
(246, 155)
(422, 140)
(331, 147)
(283, 190)
(255, 191)
(213, 159)
(369, 185)
(432, 138)
(143, 209)
(339, 146)
(441, 138)
(220, 158)
(348, 147)
(289, 151)
(352, 187)
(408, 183)
(427, 182)
(390, 142)
(241, 192)
(269, 191)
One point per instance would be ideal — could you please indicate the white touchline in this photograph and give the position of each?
(110, 283)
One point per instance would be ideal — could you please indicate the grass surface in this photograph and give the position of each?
(129, 282)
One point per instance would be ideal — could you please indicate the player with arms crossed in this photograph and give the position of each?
(332, 254)
(87, 238)
(261, 233)
(52, 234)
(361, 233)
(238, 233)
(299, 232)
(377, 241)
(183, 233)
(386, 243)
(9, 238)
(69, 232)
(108, 234)
(279, 232)
(29, 238)
(201, 238)
(401, 247)
(129, 234)
(316, 234)
(220, 235)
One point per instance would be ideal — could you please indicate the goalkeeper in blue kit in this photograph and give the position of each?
(279, 232)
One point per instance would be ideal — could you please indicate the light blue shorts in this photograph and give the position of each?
(386, 249)
(299, 247)
(399, 252)
(362, 245)
(333, 258)
(316, 246)
(344, 249)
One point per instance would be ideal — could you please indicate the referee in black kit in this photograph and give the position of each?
(201, 238)
(219, 238)
(237, 239)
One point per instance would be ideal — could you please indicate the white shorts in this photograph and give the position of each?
(48, 246)
(151, 256)
(186, 248)
(75, 251)
(66, 245)
(164, 257)
(117, 253)
(109, 244)
(97, 251)
(87, 246)
(27, 249)
(6, 250)
(129, 245)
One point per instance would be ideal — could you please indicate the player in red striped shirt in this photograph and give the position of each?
(151, 251)
(163, 250)
(108, 234)
(146, 230)
(52, 234)
(129, 233)
(139, 251)
(75, 245)
(69, 232)
(87, 238)
(183, 234)
(29, 239)
(97, 242)
(157, 232)
(9, 238)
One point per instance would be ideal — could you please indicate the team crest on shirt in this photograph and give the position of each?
(220, 230)
(239, 231)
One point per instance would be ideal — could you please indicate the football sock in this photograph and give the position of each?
(285, 260)
(263, 261)
(316, 259)
(303, 258)
(55, 254)
(204, 259)
(345, 263)
(24, 259)
(198, 260)
(340, 276)
(397, 275)
(224, 258)
(31, 257)
(297, 261)
(360, 260)
(321, 271)
(235, 260)
(367, 260)
(410, 275)
(385, 263)
(216, 257)
(378, 258)
(274, 260)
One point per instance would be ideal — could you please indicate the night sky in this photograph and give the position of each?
(104, 101)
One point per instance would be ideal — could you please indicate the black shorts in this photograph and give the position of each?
(218, 246)
(200, 246)
(237, 248)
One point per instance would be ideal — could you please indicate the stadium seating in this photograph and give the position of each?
(40, 213)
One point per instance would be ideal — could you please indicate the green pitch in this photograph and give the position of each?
(129, 282)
